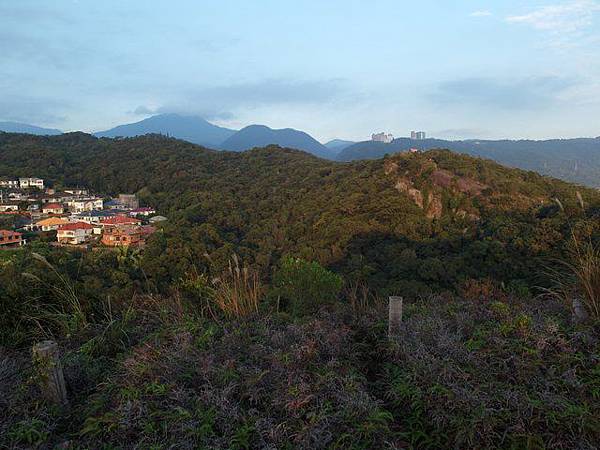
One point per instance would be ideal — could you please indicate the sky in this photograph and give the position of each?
(333, 68)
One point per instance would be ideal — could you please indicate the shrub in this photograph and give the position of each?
(577, 277)
(305, 286)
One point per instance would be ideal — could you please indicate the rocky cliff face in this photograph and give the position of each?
(426, 184)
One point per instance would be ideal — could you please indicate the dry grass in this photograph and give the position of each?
(577, 279)
(360, 297)
(69, 312)
(237, 291)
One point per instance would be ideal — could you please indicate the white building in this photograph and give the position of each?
(382, 137)
(11, 184)
(7, 208)
(76, 191)
(417, 135)
(74, 233)
(85, 204)
(25, 183)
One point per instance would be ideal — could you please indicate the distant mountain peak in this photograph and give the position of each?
(262, 136)
(337, 145)
(190, 128)
(16, 127)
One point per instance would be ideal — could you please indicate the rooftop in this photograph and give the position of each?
(51, 222)
(53, 206)
(120, 220)
(76, 226)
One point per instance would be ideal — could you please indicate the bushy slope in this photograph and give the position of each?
(410, 222)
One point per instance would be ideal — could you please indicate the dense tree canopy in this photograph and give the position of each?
(413, 222)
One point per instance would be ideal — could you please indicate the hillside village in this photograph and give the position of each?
(71, 216)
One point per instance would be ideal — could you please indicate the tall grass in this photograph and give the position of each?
(237, 291)
(68, 312)
(360, 297)
(576, 281)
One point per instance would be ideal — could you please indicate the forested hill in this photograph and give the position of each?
(411, 222)
(576, 160)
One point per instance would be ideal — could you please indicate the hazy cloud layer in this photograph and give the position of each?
(520, 94)
(33, 110)
(221, 102)
(313, 65)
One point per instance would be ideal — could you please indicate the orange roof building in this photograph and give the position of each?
(51, 223)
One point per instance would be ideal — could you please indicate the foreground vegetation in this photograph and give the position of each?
(486, 371)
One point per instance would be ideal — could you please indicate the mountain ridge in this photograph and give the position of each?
(193, 129)
(18, 127)
(576, 160)
(261, 135)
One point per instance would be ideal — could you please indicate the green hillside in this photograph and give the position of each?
(413, 223)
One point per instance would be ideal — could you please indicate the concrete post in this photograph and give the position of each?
(579, 313)
(46, 359)
(395, 315)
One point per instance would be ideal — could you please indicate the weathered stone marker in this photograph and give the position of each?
(579, 313)
(395, 315)
(46, 359)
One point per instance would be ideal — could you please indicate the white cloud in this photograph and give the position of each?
(565, 18)
(480, 14)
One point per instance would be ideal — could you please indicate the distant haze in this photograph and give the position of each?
(335, 69)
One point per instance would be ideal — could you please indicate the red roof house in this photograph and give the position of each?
(120, 220)
(74, 233)
(53, 208)
(10, 238)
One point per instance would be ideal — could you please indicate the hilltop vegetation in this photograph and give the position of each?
(575, 160)
(411, 223)
(254, 318)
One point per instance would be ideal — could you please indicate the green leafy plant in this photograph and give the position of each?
(306, 286)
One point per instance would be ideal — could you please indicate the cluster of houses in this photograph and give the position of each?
(72, 216)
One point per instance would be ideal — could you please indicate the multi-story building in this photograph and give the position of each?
(74, 233)
(10, 184)
(10, 238)
(53, 208)
(25, 183)
(93, 217)
(129, 201)
(51, 223)
(76, 191)
(382, 137)
(117, 221)
(9, 207)
(125, 236)
(417, 135)
(85, 204)
(146, 211)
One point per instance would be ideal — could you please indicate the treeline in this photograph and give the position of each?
(475, 219)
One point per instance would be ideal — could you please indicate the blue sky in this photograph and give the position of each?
(336, 69)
